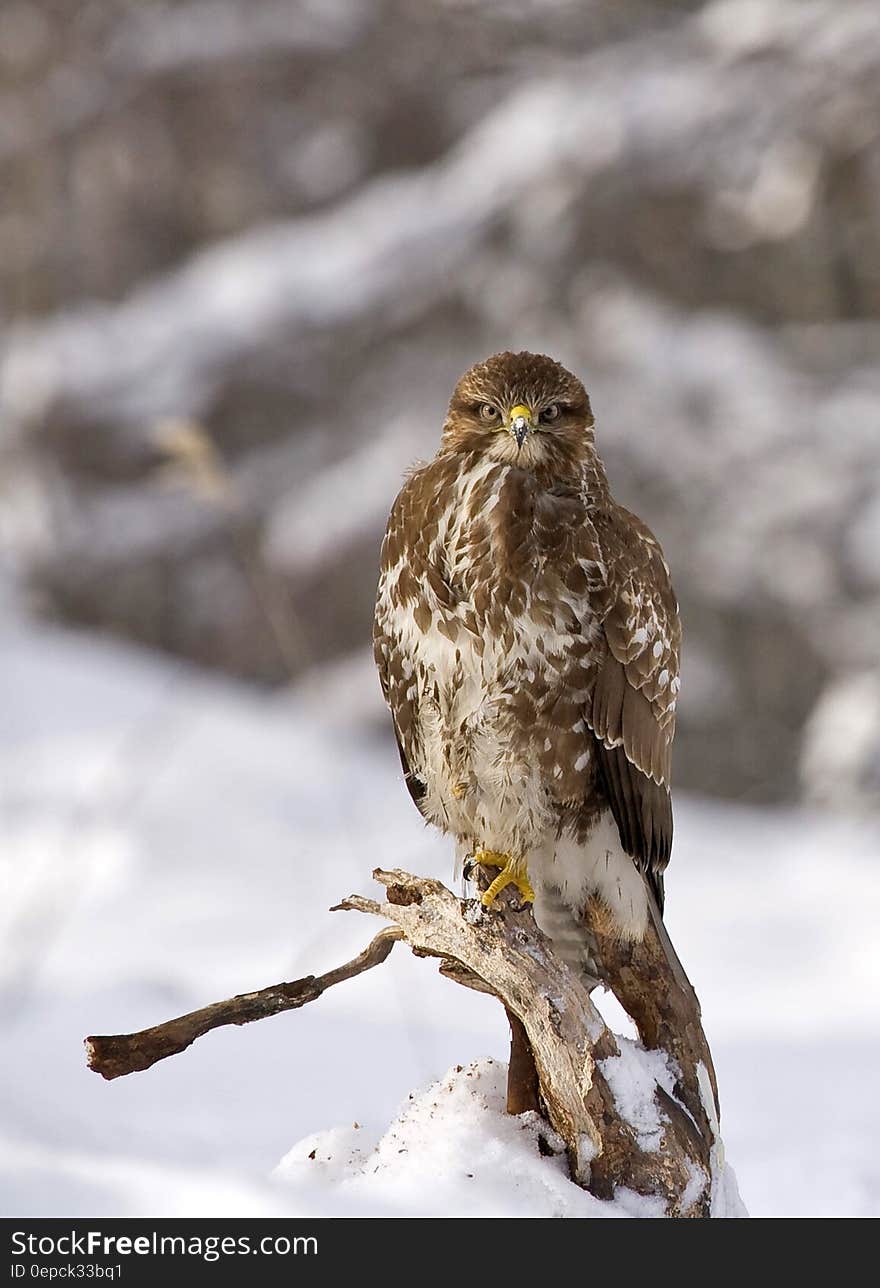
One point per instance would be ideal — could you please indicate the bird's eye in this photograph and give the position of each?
(488, 411)
(550, 413)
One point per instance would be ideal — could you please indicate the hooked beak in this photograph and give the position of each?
(520, 423)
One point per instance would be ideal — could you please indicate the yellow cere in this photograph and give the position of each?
(520, 410)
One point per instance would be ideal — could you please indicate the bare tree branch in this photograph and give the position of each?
(120, 1054)
(569, 1040)
(523, 1084)
(563, 1055)
(651, 985)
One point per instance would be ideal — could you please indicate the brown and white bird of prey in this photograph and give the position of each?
(527, 639)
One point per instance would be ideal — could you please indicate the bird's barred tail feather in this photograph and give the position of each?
(574, 941)
(656, 917)
(568, 933)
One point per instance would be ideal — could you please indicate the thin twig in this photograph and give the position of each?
(122, 1053)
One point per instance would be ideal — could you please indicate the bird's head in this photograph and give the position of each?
(521, 409)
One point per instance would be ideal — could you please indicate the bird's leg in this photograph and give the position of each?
(513, 872)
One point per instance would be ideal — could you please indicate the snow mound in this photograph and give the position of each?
(454, 1151)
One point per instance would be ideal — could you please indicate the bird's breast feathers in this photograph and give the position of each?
(488, 579)
(486, 638)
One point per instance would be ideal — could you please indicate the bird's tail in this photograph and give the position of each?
(656, 917)
(571, 938)
(579, 947)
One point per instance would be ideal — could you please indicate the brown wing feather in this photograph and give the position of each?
(632, 713)
(416, 788)
(390, 662)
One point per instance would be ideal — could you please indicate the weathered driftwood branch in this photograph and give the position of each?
(570, 1042)
(562, 1053)
(523, 1083)
(114, 1056)
(651, 985)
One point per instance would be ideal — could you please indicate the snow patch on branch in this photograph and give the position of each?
(726, 1199)
(634, 1077)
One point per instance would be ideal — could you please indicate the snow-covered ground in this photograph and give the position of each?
(167, 839)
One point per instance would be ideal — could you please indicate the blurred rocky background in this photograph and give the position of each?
(246, 249)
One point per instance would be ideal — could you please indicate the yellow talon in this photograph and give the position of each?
(510, 874)
(459, 791)
(491, 859)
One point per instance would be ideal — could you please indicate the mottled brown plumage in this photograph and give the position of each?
(527, 639)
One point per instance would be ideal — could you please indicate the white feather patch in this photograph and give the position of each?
(600, 866)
